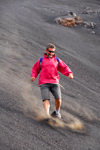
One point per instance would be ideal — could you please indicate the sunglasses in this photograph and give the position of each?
(51, 51)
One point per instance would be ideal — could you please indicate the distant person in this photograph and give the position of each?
(48, 67)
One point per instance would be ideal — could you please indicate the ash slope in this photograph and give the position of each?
(25, 29)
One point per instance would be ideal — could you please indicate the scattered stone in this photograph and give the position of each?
(86, 24)
(78, 20)
(87, 10)
(91, 25)
(73, 14)
(93, 32)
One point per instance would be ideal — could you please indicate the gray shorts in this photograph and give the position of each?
(49, 87)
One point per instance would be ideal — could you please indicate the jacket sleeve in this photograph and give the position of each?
(35, 69)
(63, 68)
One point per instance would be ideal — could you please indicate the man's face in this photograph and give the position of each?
(50, 51)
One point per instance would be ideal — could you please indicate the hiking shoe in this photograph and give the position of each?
(55, 115)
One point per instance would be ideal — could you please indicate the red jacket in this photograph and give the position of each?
(49, 70)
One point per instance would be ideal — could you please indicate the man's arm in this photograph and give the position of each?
(64, 69)
(35, 70)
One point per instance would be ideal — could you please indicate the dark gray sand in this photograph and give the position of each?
(26, 27)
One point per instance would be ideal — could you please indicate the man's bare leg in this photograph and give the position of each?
(46, 106)
(58, 104)
(56, 113)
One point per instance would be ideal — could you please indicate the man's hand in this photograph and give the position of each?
(70, 76)
(32, 79)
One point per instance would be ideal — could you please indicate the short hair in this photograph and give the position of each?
(50, 45)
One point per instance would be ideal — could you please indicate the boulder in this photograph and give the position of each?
(68, 22)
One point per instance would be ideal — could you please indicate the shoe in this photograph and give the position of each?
(54, 114)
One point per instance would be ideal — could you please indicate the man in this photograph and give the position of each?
(48, 68)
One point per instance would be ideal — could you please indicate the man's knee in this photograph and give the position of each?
(58, 100)
(46, 101)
